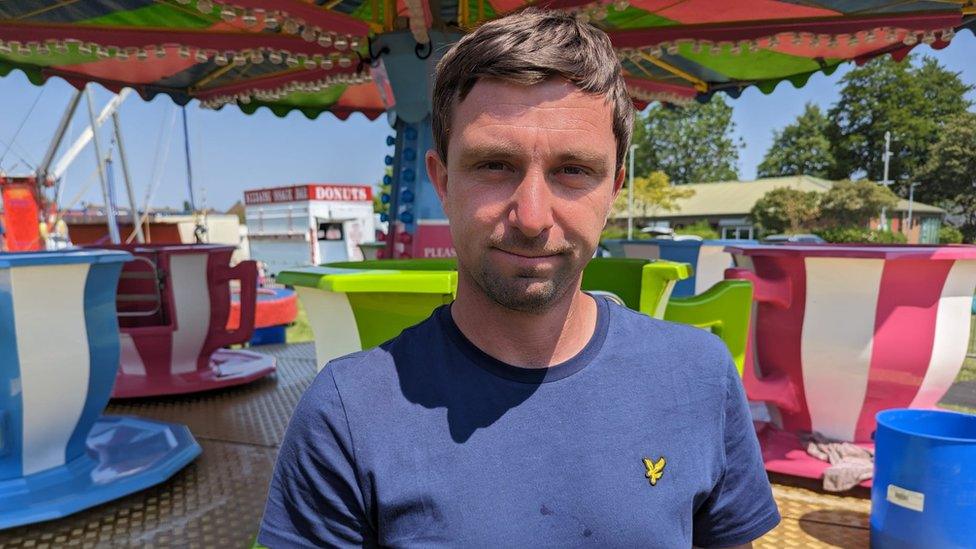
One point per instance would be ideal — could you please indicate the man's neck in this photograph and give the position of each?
(522, 339)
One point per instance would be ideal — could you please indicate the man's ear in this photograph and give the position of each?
(437, 172)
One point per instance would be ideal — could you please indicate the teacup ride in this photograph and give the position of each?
(708, 258)
(275, 310)
(358, 305)
(845, 331)
(173, 306)
(59, 352)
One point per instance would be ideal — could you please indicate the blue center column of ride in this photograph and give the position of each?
(418, 226)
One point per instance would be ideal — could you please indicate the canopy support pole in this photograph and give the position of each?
(58, 136)
(699, 84)
(113, 228)
(199, 229)
(133, 209)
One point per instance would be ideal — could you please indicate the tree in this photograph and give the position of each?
(855, 203)
(239, 210)
(651, 194)
(950, 235)
(699, 228)
(801, 148)
(911, 99)
(786, 210)
(860, 235)
(691, 144)
(949, 177)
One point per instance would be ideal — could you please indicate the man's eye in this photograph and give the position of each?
(493, 165)
(573, 170)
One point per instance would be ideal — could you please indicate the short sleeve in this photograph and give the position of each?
(741, 507)
(315, 499)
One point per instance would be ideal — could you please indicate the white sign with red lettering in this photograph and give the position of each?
(298, 193)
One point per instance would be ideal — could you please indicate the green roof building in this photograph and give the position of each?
(725, 206)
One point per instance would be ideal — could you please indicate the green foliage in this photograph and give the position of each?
(968, 371)
(786, 210)
(240, 211)
(911, 99)
(651, 195)
(691, 144)
(619, 233)
(855, 203)
(699, 228)
(846, 206)
(949, 177)
(613, 233)
(300, 330)
(801, 148)
(378, 205)
(860, 235)
(949, 235)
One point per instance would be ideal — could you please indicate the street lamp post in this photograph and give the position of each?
(630, 195)
(883, 225)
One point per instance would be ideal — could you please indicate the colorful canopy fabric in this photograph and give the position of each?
(314, 56)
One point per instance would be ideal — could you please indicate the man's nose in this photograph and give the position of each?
(532, 205)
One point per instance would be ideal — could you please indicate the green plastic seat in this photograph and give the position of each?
(358, 305)
(725, 309)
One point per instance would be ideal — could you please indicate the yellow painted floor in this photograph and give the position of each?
(813, 518)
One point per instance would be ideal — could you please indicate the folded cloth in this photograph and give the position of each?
(849, 463)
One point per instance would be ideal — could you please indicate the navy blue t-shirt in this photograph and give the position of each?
(428, 441)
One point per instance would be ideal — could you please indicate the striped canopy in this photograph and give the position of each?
(314, 56)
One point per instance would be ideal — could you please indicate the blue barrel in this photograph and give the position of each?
(707, 258)
(924, 488)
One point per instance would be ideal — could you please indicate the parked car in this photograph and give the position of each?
(793, 239)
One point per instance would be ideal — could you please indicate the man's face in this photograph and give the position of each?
(527, 187)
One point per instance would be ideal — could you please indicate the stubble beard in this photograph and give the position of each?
(525, 291)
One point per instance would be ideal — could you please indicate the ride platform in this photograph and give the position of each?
(217, 500)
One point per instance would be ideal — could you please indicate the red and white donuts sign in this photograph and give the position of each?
(313, 191)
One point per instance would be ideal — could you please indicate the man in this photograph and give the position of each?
(527, 413)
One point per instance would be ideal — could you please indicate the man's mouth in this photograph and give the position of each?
(529, 255)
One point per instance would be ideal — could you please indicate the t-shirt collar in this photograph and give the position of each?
(529, 375)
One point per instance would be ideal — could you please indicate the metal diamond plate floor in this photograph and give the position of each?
(217, 501)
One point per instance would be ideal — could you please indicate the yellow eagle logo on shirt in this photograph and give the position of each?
(655, 470)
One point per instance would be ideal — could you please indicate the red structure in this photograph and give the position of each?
(21, 214)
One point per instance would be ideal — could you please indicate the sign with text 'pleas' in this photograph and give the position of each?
(298, 193)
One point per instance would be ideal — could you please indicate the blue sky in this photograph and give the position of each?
(232, 151)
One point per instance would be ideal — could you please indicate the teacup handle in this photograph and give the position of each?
(774, 388)
(777, 292)
(247, 273)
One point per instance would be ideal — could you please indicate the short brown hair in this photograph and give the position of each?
(528, 47)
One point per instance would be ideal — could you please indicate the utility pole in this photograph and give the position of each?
(887, 156)
(630, 195)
